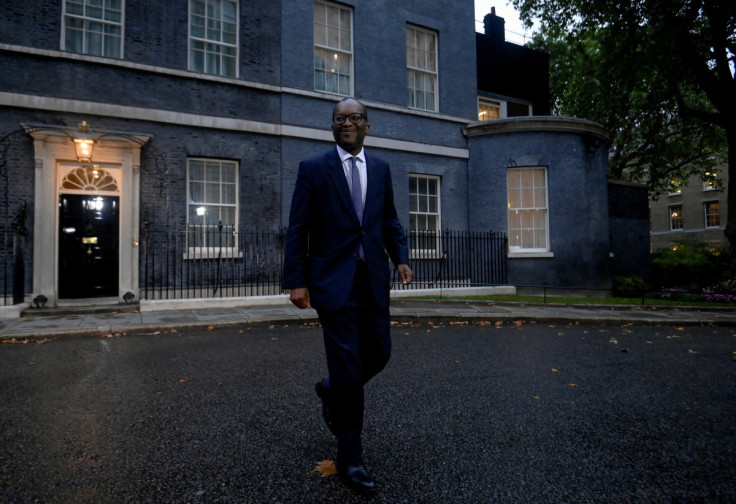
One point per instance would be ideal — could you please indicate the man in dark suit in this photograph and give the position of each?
(343, 228)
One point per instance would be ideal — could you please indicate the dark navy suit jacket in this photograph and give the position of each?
(324, 233)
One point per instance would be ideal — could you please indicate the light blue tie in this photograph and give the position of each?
(357, 194)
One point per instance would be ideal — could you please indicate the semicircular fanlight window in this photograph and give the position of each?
(89, 178)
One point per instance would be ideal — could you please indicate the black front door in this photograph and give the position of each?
(88, 246)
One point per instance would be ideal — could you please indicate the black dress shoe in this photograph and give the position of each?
(357, 478)
(326, 413)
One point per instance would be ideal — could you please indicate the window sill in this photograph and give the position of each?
(418, 255)
(193, 254)
(530, 255)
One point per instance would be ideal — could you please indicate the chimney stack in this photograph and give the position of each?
(494, 26)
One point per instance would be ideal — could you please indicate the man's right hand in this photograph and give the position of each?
(300, 297)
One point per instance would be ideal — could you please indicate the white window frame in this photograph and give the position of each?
(676, 218)
(706, 207)
(422, 62)
(210, 211)
(211, 38)
(528, 212)
(421, 208)
(333, 47)
(106, 20)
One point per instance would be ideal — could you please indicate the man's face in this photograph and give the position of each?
(350, 136)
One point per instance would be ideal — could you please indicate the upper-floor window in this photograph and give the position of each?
(424, 212)
(710, 181)
(212, 199)
(527, 204)
(488, 109)
(93, 27)
(712, 214)
(213, 37)
(675, 187)
(333, 48)
(518, 109)
(676, 218)
(421, 68)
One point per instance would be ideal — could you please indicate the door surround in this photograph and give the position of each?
(53, 151)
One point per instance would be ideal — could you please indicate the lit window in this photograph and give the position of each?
(421, 71)
(213, 37)
(488, 109)
(676, 219)
(710, 181)
(527, 202)
(333, 48)
(212, 199)
(424, 212)
(93, 27)
(675, 187)
(712, 215)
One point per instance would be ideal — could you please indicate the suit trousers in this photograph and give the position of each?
(357, 346)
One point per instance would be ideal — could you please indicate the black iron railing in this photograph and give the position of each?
(220, 261)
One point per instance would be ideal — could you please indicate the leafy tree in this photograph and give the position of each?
(659, 74)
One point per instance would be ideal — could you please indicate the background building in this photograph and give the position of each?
(693, 212)
(198, 113)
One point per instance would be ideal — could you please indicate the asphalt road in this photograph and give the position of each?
(464, 413)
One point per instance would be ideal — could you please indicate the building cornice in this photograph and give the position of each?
(86, 108)
(538, 124)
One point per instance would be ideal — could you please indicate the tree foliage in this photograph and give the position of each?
(657, 73)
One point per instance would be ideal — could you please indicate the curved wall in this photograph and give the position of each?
(575, 154)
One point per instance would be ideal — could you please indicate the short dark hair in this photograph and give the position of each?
(348, 98)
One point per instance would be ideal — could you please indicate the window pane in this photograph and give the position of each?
(228, 193)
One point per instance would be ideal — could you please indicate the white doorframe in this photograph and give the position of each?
(53, 149)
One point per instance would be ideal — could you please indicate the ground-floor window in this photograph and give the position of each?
(712, 214)
(527, 207)
(212, 200)
(424, 212)
(676, 218)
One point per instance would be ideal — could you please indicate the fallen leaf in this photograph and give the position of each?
(31, 363)
(573, 384)
(459, 322)
(458, 361)
(219, 384)
(691, 351)
(518, 323)
(274, 339)
(182, 381)
(325, 468)
(211, 328)
(625, 350)
(613, 341)
(555, 370)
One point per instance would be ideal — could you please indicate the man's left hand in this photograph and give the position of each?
(406, 275)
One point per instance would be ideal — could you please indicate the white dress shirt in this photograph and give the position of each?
(360, 163)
